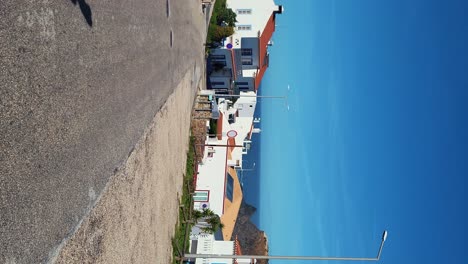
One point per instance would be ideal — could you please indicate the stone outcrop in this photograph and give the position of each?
(252, 240)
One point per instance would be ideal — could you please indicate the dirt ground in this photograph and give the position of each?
(134, 219)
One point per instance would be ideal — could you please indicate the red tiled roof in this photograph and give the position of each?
(237, 247)
(234, 70)
(249, 135)
(263, 42)
(231, 144)
(219, 128)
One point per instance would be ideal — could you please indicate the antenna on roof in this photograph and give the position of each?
(280, 10)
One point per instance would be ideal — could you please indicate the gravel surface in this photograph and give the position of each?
(134, 220)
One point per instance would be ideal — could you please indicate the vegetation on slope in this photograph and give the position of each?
(222, 22)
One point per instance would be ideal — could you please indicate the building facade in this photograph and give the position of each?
(239, 64)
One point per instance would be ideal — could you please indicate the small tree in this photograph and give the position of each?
(222, 32)
(227, 16)
(214, 224)
(205, 213)
(208, 221)
(213, 128)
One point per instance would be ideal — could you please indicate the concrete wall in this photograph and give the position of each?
(250, 83)
(211, 177)
(251, 43)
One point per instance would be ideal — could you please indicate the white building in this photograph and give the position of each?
(240, 117)
(243, 60)
(208, 245)
(217, 185)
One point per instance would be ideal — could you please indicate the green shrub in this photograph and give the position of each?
(222, 32)
(213, 127)
(226, 15)
(220, 14)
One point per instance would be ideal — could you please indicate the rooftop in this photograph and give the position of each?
(263, 52)
(231, 208)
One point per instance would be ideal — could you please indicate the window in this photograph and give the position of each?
(231, 119)
(218, 63)
(217, 83)
(218, 57)
(244, 11)
(243, 87)
(230, 188)
(201, 196)
(211, 151)
(244, 27)
(246, 52)
(246, 61)
(242, 83)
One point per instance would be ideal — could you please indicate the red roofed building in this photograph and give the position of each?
(243, 59)
(219, 127)
(238, 251)
(264, 41)
(209, 245)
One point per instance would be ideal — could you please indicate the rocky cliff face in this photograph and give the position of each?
(252, 240)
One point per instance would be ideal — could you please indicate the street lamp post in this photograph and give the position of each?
(285, 97)
(249, 169)
(251, 95)
(220, 256)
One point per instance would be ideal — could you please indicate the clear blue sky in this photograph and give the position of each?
(376, 135)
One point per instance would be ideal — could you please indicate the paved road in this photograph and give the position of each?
(79, 82)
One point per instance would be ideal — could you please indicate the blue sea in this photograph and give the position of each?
(373, 135)
(251, 178)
